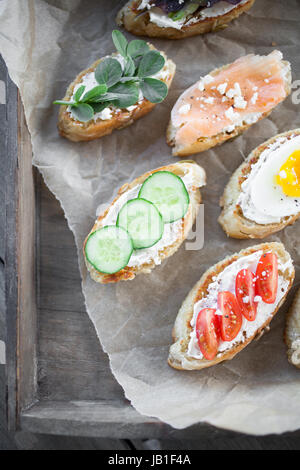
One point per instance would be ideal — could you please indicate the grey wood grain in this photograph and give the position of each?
(72, 364)
(10, 252)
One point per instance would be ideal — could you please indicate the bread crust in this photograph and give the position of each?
(292, 332)
(129, 273)
(141, 25)
(205, 143)
(178, 357)
(77, 131)
(231, 218)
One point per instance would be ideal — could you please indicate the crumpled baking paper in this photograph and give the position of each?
(45, 43)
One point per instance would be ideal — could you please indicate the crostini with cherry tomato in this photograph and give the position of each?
(232, 303)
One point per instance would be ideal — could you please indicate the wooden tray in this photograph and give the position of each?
(58, 378)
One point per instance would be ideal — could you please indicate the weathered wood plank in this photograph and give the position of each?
(26, 232)
(19, 262)
(72, 364)
(11, 282)
(95, 419)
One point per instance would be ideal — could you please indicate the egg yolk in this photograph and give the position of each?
(289, 175)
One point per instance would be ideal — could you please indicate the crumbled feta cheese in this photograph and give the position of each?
(254, 98)
(222, 88)
(237, 89)
(257, 298)
(246, 299)
(201, 86)
(230, 93)
(229, 128)
(204, 81)
(239, 102)
(184, 109)
(230, 114)
(209, 100)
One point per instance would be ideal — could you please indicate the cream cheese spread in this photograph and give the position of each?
(161, 19)
(170, 234)
(225, 281)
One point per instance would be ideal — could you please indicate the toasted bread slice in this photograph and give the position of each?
(140, 25)
(292, 332)
(201, 142)
(78, 131)
(178, 356)
(198, 176)
(232, 218)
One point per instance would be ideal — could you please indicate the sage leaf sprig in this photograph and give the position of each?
(119, 82)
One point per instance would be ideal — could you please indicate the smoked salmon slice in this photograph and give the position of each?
(227, 101)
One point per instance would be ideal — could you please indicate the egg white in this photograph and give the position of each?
(262, 199)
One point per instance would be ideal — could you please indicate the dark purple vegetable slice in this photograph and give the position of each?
(170, 6)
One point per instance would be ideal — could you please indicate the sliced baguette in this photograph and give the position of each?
(77, 131)
(140, 25)
(178, 357)
(128, 273)
(231, 218)
(205, 143)
(292, 332)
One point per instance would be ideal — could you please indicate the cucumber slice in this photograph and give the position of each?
(109, 249)
(143, 222)
(168, 192)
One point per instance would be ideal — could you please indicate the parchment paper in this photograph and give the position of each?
(45, 44)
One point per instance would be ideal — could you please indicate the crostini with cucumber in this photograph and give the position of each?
(146, 223)
(115, 91)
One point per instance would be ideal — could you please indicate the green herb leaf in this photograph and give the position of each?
(64, 103)
(79, 93)
(137, 61)
(151, 63)
(126, 94)
(129, 79)
(120, 42)
(154, 90)
(82, 112)
(94, 93)
(137, 47)
(129, 68)
(98, 107)
(108, 71)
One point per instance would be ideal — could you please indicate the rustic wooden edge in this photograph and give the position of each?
(105, 419)
(20, 276)
(11, 281)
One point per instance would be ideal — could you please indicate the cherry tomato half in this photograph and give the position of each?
(208, 332)
(267, 277)
(231, 319)
(245, 293)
